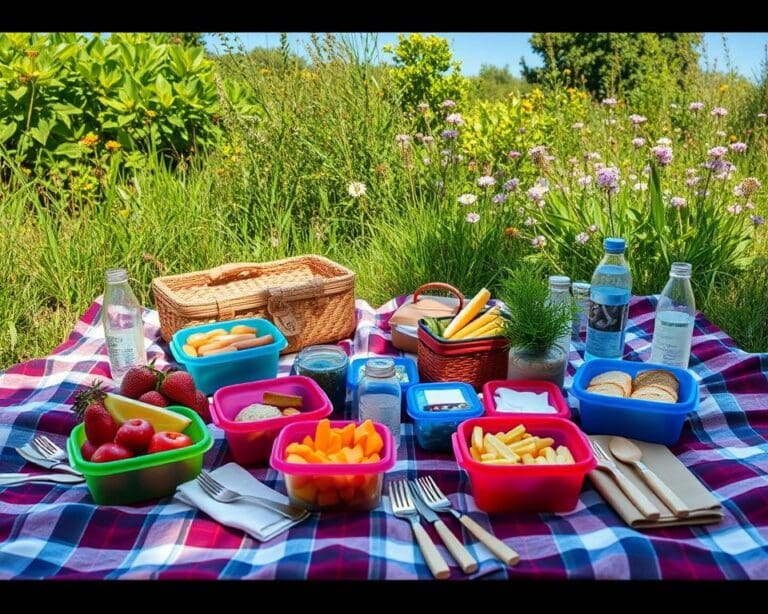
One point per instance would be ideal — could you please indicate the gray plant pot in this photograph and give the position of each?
(525, 364)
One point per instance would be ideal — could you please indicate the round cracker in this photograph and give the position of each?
(607, 389)
(659, 376)
(663, 387)
(614, 377)
(651, 393)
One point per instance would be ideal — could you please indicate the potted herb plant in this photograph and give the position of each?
(532, 327)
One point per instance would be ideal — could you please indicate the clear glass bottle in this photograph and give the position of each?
(327, 365)
(123, 326)
(560, 293)
(580, 293)
(379, 395)
(675, 314)
(609, 303)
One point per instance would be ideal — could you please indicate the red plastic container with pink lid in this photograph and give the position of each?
(526, 488)
(555, 398)
(251, 442)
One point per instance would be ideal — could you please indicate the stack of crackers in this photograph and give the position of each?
(652, 385)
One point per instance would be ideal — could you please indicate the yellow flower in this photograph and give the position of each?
(512, 232)
(724, 88)
(26, 171)
(264, 71)
(733, 138)
(566, 71)
(89, 140)
(123, 213)
(526, 106)
(112, 145)
(151, 113)
(31, 53)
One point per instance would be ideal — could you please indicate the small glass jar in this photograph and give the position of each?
(327, 365)
(580, 291)
(379, 395)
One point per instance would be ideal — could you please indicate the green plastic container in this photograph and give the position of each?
(140, 478)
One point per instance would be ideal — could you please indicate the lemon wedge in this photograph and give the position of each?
(123, 409)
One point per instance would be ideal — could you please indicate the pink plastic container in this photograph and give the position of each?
(526, 488)
(332, 486)
(251, 442)
(554, 396)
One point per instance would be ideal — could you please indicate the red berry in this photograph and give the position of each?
(100, 426)
(87, 450)
(168, 440)
(180, 387)
(110, 452)
(153, 397)
(135, 435)
(202, 407)
(138, 380)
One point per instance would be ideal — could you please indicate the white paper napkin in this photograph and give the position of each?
(259, 522)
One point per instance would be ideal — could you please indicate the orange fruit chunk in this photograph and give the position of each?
(323, 434)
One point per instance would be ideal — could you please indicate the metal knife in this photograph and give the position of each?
(10, 479)
(462, 556)
(45, 462)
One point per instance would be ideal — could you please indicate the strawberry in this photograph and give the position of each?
(85, 397)
(139, 380)
(180, 387)
(153, 397)
(202, 407)
(100, 426)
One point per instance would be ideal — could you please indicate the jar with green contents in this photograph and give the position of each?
(327, 365)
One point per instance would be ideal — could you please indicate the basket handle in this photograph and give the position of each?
(438, 285)
(228, 272)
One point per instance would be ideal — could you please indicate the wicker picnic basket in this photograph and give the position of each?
(309, 298)
(475, 361)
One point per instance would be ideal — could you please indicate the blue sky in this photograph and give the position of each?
(747, 50)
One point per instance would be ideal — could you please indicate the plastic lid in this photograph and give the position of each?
(322, 358)
(116, 276)
(380, 367)
(559, 282)
(614, 245)
(680, 269)
(417, 401)
(581, 288)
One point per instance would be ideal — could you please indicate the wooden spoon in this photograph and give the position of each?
(627, 452)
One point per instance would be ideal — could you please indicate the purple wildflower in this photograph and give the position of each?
(678, 202)
(449, 134)
(530, 221)
(609, 102)
(717, 152)
(735, 209)
(762, 115)
(467, 199)
(499, 199)
(403, 139)
(593, 228)
(608, 179)
(447, 104)
(638, 142)
(584, 181)
(511, 185)
(423, 107)
(757, 220)
(537, 192)
(455, 119)
(427, 139)
(738, 147)
(663, 154)
(636, 119)
(514, 155)
(582, 238)
(486, 181)
(696, 106)
(473, 218)
(577, 125)
(539, 241)
(719, 112)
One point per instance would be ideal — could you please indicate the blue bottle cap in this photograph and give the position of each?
(614, 245)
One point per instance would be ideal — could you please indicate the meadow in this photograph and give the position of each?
(188, 162)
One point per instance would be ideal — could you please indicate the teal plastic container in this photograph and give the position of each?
(145, 477)
(218, 370)
(435, 428)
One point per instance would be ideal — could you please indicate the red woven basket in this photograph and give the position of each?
(475, 361)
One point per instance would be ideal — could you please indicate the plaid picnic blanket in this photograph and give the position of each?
(55, 531)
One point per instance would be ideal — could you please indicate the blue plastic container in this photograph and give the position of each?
(404, 367)
(435, 428)
(635, 418)
(218, 370)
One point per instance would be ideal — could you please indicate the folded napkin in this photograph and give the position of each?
(658, 458)
(259, 522)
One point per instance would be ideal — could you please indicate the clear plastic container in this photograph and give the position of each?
(635, 418)
(609, 303)
(332, 486)
(526, 488)
(378, 395)
(218, 370)
(555, 398)
(251, 442)
(433, 426)
(675, 315)
(123, 326)
(149, 476)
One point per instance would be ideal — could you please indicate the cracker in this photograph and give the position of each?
(656, 376)
(607, 389)
(614, 377)
(651, 393)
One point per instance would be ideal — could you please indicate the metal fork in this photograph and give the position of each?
(436, 500)
(45, 453)
(403, 507)
(633, 493)
(221, 493)
(48, 449)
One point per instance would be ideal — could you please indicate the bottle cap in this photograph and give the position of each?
(559, 282)
(581, 288)
(614, 245)
(116, 276)
(680, 269)
(380, 367)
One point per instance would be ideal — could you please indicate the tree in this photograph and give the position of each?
(495, 82)
(609, 62)
(187, 39)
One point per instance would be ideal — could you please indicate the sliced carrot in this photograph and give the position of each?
(337, 457)
(364, 430)
(334, 443)
(323, 434)
(373, 458)
(308, 441)
(295, 458)
(348, 435)
(318, 456)
(374, 443)
(354, 455)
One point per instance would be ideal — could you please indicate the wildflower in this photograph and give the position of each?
(610, 121)
(150, 113)
(426, 161)
(521, 130)
(637, 119)
(640, 187)
(577, 125)
(447, 104)
(89, 140)
(566, 71)
(593, 228)
(663, 154)
(526, 106)
(663, 141)
(584, 181)
(455, 118)
(499, 199)
(427, 139)
(467, 199)
(402, 139)
(757, 220)
(512, 232)
(486, 181)
(738, 147)
(608, 179)
(762, 115)
(696, 106)
(521, 210)
(692, 181)
(274, 241)
(537, 192)
(609, 102)
(514, 155)
(423, 107)
(539, 241)
(726, 171)
(724, 88)
(112, 145)
(573, 161)
(719, 112)
(678, 202)
(473, 218)
(530, 221)
(732, 138)
(449, 134)
(638, 142)
(538, 154)
(735, 209)
(749, 206)
(582, 238)
(647, 170)
(356, 189)
(717, 152)
(749, 186)
(673, 105)
(511, 185)
(592, 155)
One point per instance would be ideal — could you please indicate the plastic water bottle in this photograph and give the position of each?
(559, 292)
(123, 327)
(609, 303)
(675, 313)
(379, 395)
